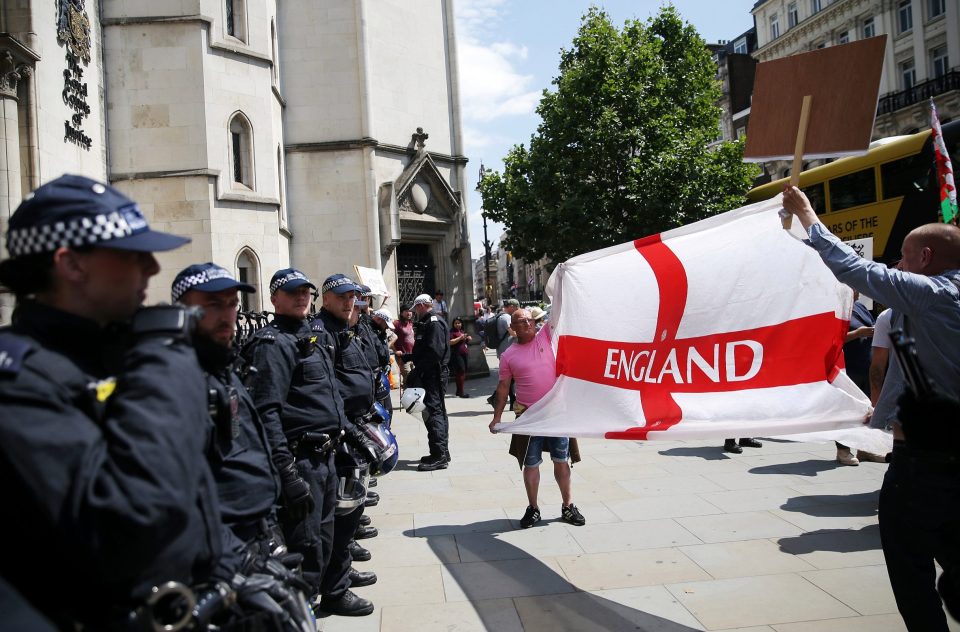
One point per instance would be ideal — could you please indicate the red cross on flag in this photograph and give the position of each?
(729, 327)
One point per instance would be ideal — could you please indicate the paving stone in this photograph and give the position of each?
(662, 507)
(476, 581)
(599, 571)
(866, 589)
(597, 612)
(744, 559)
(478, 616)
(749, 525)
(626, 536)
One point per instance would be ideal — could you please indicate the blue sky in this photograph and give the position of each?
(509, 51)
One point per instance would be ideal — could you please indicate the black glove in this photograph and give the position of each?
(367, 448)
(296, 493)
(173, 322)
(930, 422)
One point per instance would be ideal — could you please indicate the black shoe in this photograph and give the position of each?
(464, 395)
(364, 533)
(434, 463)
(571, 515)
(530, 518)
(750, 443)
(347, 605)
(491, 402)
(364, 520)
(373, 499)
(374, 495)
(358, 553)
(359, 579)
(372, 482)
(730, 445)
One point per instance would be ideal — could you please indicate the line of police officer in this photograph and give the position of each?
(142, 477)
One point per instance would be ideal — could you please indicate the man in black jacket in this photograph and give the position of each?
(431, 353)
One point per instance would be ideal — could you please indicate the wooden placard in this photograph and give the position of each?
(843, 83)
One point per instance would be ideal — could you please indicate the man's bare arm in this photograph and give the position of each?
(499, 402)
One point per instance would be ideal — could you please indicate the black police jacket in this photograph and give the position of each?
(431, 346)
(295, 386)
(376, 351)
(354, 371)
(239, 452)
(106, 489)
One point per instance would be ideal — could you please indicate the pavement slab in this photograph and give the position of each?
(680, 536)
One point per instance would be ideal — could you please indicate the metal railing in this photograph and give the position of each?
(248, 323)
(921, 92)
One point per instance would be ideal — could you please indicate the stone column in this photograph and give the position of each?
(15, 65)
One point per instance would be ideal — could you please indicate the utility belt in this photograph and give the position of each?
(311, 443)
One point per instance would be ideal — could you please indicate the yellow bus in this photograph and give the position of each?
(883, 194)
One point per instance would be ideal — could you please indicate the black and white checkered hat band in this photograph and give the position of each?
(82, 231)
(329, 285)
(187, 283)
(279, 283)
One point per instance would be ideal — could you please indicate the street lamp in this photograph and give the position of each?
(486, 244)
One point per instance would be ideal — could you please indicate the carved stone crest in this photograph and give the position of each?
(73, 28)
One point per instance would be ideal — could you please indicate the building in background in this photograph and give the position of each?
(923, 49)
(321, 135)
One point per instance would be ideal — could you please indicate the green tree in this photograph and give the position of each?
(621, 151)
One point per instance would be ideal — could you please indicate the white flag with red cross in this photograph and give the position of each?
(729, 327)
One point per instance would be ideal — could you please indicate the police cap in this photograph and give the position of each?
(339, 284)
(74, 211)
(205, 277)
(288, 280)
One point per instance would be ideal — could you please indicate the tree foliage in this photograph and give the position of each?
(621, 151)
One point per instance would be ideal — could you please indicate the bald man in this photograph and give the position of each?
(920, 498)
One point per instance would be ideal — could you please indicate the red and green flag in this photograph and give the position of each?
(948, 189)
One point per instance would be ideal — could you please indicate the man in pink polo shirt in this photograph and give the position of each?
(532, 366)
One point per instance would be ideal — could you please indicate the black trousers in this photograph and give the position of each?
(435, 415)
(920, 523)
(313, 537)
(336, 580)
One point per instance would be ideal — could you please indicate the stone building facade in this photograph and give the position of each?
(321, 135)
(921, 58)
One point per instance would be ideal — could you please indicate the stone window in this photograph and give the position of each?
(740, 46)
(248, 271)
(793, 16)
(281, 187)
(939, 63)
(904, 16)
(935, 8)
(236, 19)
(843, 38)
(815, 6)
(869, 27)
(241, 151)
(273, 51)
(774, 26)
(908, 74)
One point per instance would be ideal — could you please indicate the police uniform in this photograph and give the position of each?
(238, 452)
(107, 493)
(378, 357)
(431, 353)
(295, 391)
(352, 357)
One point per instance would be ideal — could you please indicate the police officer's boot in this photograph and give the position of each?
(364, 532)
(364, 520)
(358, 553)
(358, 579)
(347, 605)
(434, 463)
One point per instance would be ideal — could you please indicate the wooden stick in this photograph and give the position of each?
(787, 221)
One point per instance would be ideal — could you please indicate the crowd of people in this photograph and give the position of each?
(167, 478)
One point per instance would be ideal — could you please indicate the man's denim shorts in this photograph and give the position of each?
(559, 450)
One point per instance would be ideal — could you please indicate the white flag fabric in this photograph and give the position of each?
(729, 327)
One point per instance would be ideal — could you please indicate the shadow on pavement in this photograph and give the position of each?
(836, 540)
(708, 453)
(543, 598)
(408, 466)
(810, 467)
(834, 506)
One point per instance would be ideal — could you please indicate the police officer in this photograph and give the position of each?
(239, 454)
(431, 353)
(106, 488)
(340, 317)
(296, 392)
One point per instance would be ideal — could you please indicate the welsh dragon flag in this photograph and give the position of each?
(948, 190)
(729, 327)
